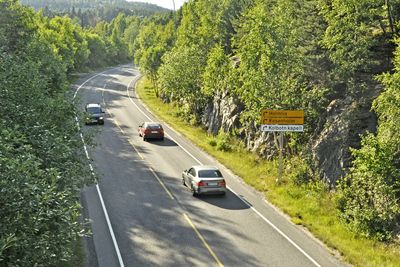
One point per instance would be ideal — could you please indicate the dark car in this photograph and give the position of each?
(94, 114)
(151, 130)
(204, 180)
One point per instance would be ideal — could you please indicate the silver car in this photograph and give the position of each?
(204, 180)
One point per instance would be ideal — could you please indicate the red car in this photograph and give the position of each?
(149, 130)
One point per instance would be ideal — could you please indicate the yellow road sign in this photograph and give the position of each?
(284, 121)
(268, 113)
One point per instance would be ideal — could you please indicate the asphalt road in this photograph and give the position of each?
(142, 215)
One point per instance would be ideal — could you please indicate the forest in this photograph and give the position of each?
(42, 165)
(88, 13)
(221, 62)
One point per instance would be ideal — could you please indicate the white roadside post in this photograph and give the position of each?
(282, 121)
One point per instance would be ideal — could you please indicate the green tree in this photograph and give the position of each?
(42, 165)
(218, 72)
(153, 41)
(370, 195)
(358, 38)
(272, 70)
(180, 78)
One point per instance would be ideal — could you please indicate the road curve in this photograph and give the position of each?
(142, 215)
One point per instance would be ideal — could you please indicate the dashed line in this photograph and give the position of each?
(203, 240)
(242, 199)
(137, 151)
(161, 183)
(169, 136)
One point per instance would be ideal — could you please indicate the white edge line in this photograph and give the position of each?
(121, 262)
(276, 228)
(244, 201)
(127, 90)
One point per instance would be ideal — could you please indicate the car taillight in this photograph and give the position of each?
(201, 183)
(146, 131)
(222, 183)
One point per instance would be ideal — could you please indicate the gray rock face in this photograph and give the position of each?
(339, 130)
(345, 120)
(222, 113)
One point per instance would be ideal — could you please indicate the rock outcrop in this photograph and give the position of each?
(222, 113)
(340, 127)
(344, 121)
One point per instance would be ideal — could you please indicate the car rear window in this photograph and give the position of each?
(154, 126)
(210, 173)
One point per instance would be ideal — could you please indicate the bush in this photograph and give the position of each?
(299, 172)
(368, 198)
(212, 142)
(223, 141)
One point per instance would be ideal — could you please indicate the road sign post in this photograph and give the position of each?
(282, 121)
(280, 171)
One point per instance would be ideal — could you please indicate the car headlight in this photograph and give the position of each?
(101, 118)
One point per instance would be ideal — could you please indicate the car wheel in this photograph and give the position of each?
(194, 192)
(162, 139)
(144, 138)
(183, 181)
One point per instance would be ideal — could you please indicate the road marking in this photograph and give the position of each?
(252, 208)
(121, 262)
(116, 122)
(203, 240)
(161, 183)
(276, 228)
(119, 127)
(137, 151)
(187, 152)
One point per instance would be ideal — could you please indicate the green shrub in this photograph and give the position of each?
(299, 172)
(223, 141)
(212, 142)
(368, 198)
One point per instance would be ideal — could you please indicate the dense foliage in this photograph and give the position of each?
(42, 164)
(291, 54)
(90, 12)
(371, 191)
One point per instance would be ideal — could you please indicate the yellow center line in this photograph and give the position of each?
(161, 183)
(219, 263)
(116, 122)
(203, 240)
(137, 151)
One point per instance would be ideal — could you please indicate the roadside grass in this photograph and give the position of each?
(311, 206)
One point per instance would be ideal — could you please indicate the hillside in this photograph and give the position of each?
(338, 61)
(105, 9)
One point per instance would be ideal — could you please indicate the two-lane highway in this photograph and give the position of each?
(142, 215)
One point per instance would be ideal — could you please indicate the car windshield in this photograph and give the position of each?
(94, 110)
(210, 173)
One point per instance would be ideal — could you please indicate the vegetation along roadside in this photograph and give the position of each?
(310, 205)
(220, 63)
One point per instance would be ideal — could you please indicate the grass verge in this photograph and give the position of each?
(312, 205)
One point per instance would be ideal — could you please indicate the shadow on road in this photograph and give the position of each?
(165, 142)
